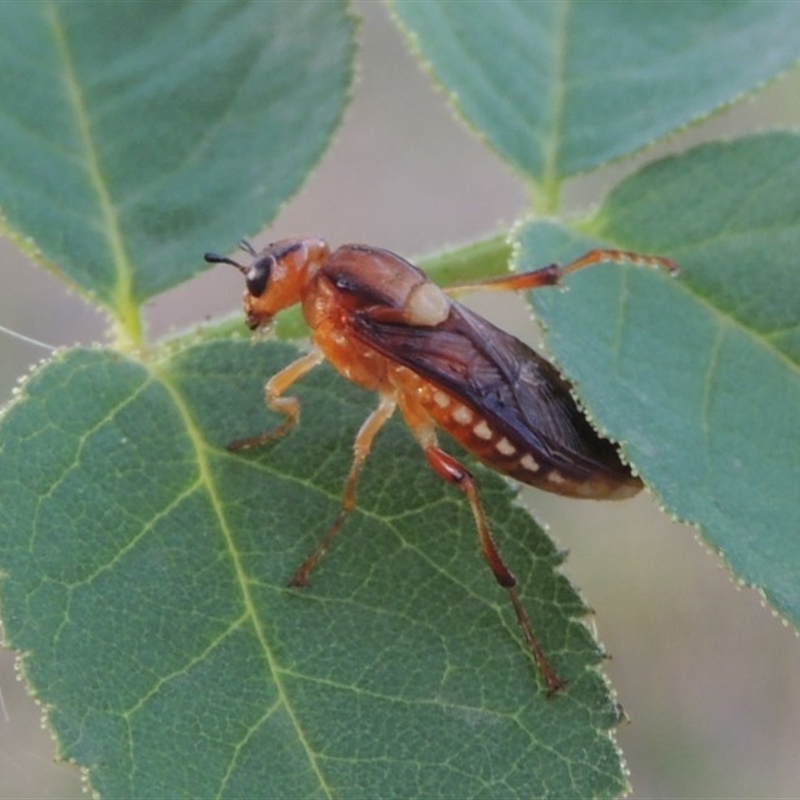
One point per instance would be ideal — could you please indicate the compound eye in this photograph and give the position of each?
(257, 276)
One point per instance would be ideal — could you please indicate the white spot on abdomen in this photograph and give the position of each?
(462, 415)
(482, 430)
(441, 399)
(529, 462)
(505, 448)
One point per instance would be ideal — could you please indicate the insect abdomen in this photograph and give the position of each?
(503, 453)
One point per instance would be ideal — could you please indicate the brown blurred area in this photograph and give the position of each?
(708, 676)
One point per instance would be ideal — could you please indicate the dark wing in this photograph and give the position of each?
(514, 388)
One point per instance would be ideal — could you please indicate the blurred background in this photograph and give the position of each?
(708, 676)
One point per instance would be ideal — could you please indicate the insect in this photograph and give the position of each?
(385, 326)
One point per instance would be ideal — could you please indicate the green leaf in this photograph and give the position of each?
(559, 88)
(144, 567)
(144, 580)
(700, 375)
(134, 135)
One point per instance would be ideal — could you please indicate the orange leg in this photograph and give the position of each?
(362, 446)
(454, 472)
(552, 274)
(289, 406)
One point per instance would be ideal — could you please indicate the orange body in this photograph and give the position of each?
(361, 302)
(385, 326)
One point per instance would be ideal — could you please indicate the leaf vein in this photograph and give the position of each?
(202, 448)
(126, 310)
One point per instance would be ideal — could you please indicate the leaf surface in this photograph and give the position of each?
(145, 567)
(145, 573)
(133, 135)
(560, 88)
(699, 375)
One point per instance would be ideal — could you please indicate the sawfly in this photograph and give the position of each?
(387, 327)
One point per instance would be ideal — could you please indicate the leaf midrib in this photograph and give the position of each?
(552, 145)
(124, 306)
(207, 480)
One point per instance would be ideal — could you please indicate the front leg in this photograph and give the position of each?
(288, 406)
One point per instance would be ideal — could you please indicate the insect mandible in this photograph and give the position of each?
(388, 328)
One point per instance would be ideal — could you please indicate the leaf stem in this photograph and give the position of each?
(546, 196)
(128, 328)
